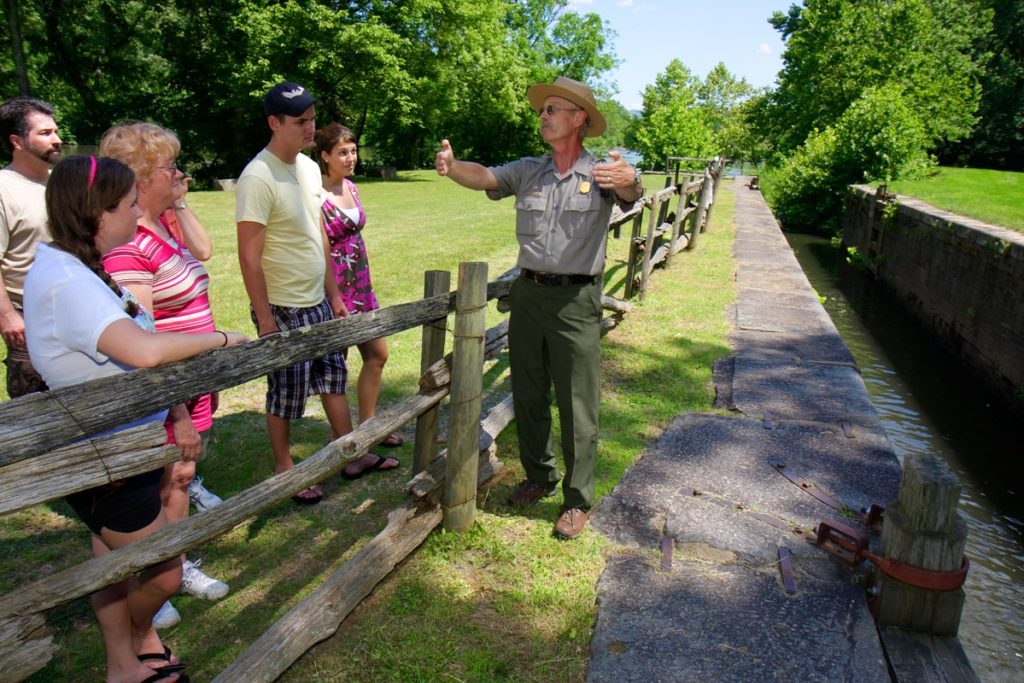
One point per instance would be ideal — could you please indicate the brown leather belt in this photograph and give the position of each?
(556, 279)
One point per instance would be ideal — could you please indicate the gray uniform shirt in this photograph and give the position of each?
(561, 219)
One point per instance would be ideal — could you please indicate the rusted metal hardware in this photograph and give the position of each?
(846, 543)
(807, 486)
(921, 578)
(866, 516)
(875, 515)
(666, 553)
(851, 546)
(843, 541)
(786, 569)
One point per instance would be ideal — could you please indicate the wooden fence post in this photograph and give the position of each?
(676, 220)
(466, 396)
(923, 529)
(652, 225)
(631, 259)
(702, 207)
(434, 282)
(717, 168)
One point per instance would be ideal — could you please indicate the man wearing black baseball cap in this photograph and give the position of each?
(563, 202)
(288, 98)
(282, 253)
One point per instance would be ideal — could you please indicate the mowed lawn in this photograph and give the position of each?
(992, 196)
(504, 602)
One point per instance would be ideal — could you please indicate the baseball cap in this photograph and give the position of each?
(288, 98)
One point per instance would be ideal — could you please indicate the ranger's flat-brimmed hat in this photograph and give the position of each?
(578, 93)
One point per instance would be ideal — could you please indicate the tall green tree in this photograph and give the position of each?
(671, 122)
(998, 139)
(836, 49)
(740, 138)
(720, 96)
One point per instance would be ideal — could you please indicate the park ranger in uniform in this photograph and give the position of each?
(563, 202)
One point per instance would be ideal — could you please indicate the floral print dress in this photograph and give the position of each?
(348, 254)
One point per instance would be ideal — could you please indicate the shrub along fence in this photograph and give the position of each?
(48, 451)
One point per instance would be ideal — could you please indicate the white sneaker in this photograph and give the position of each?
(166, 616)
(195, 582)
(200, 497)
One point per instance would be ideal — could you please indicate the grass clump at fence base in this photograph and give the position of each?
(503, 602)
(995, 197)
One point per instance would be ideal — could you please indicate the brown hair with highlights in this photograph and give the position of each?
(326, 138)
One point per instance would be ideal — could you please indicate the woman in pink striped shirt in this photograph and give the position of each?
(167, 278)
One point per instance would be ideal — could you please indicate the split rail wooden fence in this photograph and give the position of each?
(49, 448)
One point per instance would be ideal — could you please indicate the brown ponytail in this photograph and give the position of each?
(79, 191)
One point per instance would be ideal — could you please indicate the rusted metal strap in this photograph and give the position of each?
(786, 569)
(666, 553)
(921, 578)
(851, 546)
(776, 522)
(867, 516)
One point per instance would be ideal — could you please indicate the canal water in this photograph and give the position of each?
(930, 404)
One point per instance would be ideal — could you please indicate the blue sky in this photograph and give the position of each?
(700, 33)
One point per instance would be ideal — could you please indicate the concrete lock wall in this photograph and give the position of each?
(961, 277)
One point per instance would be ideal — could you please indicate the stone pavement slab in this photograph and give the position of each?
(796, 346)
(720, 612)
(812, 391)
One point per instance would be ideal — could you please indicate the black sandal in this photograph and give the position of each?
(164, 656)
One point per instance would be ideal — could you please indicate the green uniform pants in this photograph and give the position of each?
(555, 336)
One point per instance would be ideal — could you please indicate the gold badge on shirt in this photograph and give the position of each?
(584, 187)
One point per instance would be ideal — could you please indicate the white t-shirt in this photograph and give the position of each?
(67, 308)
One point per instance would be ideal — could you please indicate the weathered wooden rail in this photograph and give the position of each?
(665, 235)
(48, 451)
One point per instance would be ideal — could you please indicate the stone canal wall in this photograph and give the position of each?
(962, 278)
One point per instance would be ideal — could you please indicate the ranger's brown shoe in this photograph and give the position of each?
(528, 493)
(571, 523)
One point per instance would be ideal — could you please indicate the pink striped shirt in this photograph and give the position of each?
(180, 301)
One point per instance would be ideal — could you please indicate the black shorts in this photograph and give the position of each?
(124, 506)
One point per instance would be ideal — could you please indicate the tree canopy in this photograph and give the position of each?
(837, 49)
(401, 73)
(687, 117)
(998, 139)
(868, 87)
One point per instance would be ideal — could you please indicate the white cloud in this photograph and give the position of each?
(624, 3)
(764, 48)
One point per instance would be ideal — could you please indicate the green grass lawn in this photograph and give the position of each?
(503, 602)
(992, 196)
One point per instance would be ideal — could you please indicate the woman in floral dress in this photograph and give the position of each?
(343, 218)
